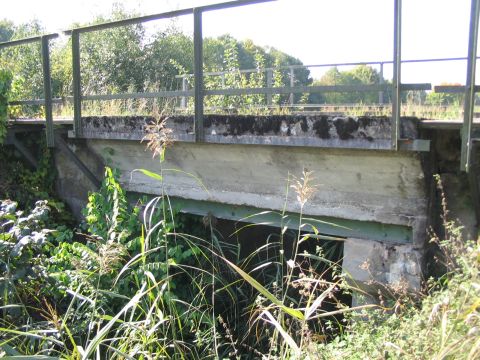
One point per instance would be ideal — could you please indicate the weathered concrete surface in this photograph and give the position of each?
(457, 187)
(372, 263)
(354, 179)
(71, 184)
(384, 187)
(291, 130)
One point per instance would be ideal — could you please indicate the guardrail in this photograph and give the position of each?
(291, 71)
(199, 92)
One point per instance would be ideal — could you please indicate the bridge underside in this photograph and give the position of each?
(373, 199)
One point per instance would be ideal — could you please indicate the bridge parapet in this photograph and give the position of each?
(286, 130)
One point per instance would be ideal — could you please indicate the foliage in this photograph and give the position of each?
(445, 325)
(359, 75)
(108, 214)
(19, 181)
(89, 280)
(444, 99)
(22, 236)
(128, 59)
(298, 286)
(5, 84)
(234, 78)
(24, 62)
(112, 60)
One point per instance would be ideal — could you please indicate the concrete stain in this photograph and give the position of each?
(368, 128)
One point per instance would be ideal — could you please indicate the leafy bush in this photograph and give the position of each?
(73, 286)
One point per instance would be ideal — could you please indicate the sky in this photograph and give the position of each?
(315, 31)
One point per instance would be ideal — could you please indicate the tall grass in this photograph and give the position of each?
(147, 107)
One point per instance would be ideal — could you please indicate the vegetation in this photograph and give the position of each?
(5, 83)
(169, 286)
(443, 324)
(359, 75)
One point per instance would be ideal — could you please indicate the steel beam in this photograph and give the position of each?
(382, 81)
(166, 15)
(395, 234)
(145, 95)
(11, 139)
(470, 88)
(34, 102)
(47, 90)
(77, 84)
(28, 40)
(453, 89)
(198, 67)
(83, 168)
(397, 66)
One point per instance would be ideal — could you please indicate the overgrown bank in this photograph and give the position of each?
(444, 323)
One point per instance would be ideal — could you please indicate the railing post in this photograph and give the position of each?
(292, 84)
(397, 67)
(269, 85)
(183, 101)
(47, 90)
(380, 93)
(198, 71)
(77, 85)
(469, 103)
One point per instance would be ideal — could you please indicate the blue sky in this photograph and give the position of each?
(316, 31)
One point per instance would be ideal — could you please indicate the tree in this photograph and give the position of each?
(168, 51)
(359, 75)
(112, 59)
(125, 59)
(6, 30)
(23, 61)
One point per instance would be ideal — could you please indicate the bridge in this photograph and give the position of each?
(376, 189)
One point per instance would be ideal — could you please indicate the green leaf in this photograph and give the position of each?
(150, 174)
(288, 339)
(262, 290)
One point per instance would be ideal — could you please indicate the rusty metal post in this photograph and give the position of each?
(269, 85)
(292, 84)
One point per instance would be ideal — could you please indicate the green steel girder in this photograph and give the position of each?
(328, 226)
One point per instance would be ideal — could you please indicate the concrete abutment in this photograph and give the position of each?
(376, 199)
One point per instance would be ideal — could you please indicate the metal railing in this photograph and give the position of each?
(469, 90)
(381, 86)
(199, 91)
